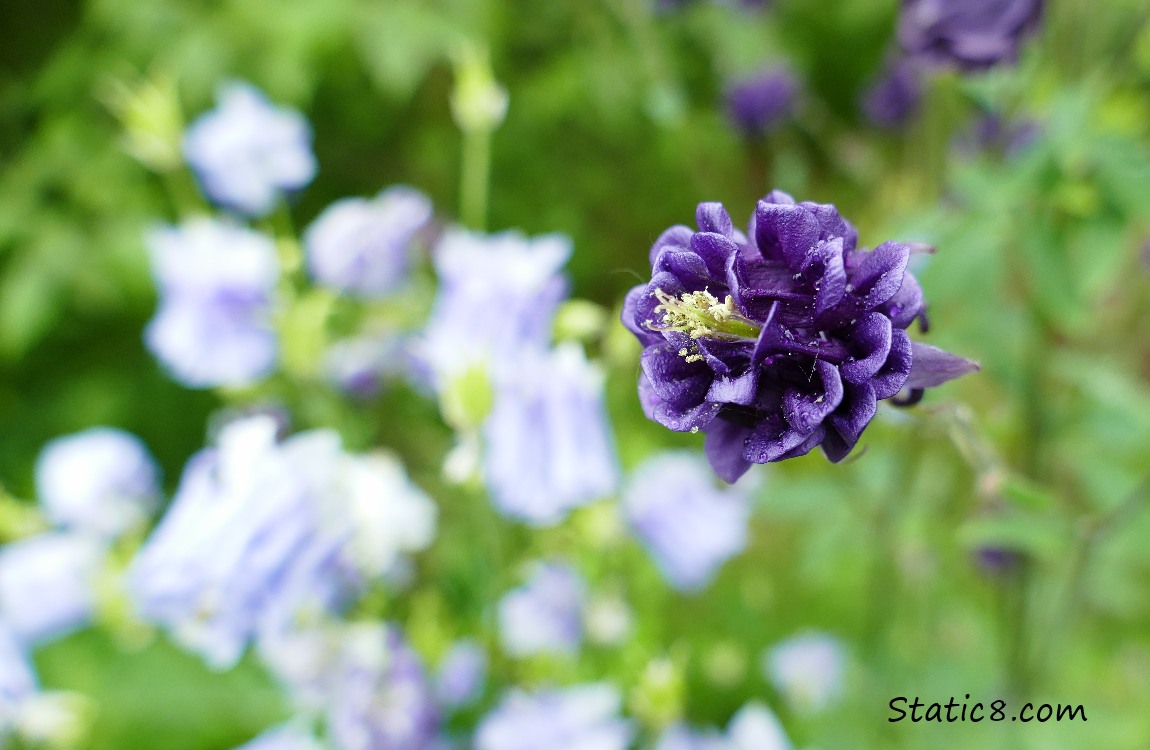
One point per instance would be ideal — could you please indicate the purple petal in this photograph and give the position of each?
(880, 274)
(737, 390)
(826, 264)
(724, 449)
(832, 224)
(805, 447)
(779, 197)
(684, 265)
(931, 366)
(907, 304)
(849, 420)
(715, 250)
(805, 410)
(770, 440)
(712, 217)
(891, 378)
(636, 311)
(680, 383)
(869, 340)
(678, 420)
(785, 233)
(677, 236)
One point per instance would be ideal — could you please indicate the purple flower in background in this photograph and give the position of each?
(997, 560)
(287, 737)
(359, 366)
(247, 151)
(779, 342)
(217, 284)
(362, 246)
(969, 34)
(462, 672)
(807, 669)
(998, 134)
(101, 481)
(894, 99)
(17, 681)
(758, 103)
(755, 727)
(548, 441)
(545, 615)
(47, 584)
(497, 297)
(379, 696)
(690, 526)
(582, 717)
(259, 532)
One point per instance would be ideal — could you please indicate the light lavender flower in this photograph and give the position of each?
(549, 447)
(690, 526)
(362, 247)
(379, 695)
(247, 152)
(755, 727)
(545, 615)
(359, 366)
(101, 481)
(217, 284)
(497, 297)
(17, 682)
(462, 672)
(47, 584)
(284, 737)
(260, 531)
(807, 669)
(581, 717)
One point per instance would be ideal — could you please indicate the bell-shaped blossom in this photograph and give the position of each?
(549, 447)
(101, 481)
(362, 246)
(581, 717)
(759, 103)
(461, 675)
(497, 298)
(260, 531)
(247, 151)
(690, 526)
(47, 584)
(544, 615)
(781, 341)
(893, 100)
(755, 727)
(285, 737)
(807, 669)
(969, 34)
(217, 283)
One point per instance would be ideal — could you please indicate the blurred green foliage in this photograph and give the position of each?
(615, 131)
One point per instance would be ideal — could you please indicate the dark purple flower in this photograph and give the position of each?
(996, 560)
(970, 34)
(759, 103)
(893, 100)
(780, 342)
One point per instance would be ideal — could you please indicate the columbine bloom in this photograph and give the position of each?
(287, 737)
(545, 615)
(247, 151)
(217, 282)
(362, 247)
(893, 100)
(807, 669)
(101, 481)
(970, 34)
(549, 447)
(259, 532)
(462, 672)
(47, 584)
(758, 103)
(779, 342)
(497, 297)
(574, 718)
(689, 526)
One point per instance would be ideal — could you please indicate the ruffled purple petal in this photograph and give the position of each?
(677, 420)
(677, 236)
(740, 389)
(715, 250)
(636, 312)
(892, 376)
(681, 384)
(880, 273)
(869, 339)
(724, 448)
(849, 420)
(907, 303)
(805, 410)
(684, 265)
(770, 440)
(784, 233)
(712, 217)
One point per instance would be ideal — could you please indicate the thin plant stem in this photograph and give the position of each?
(475, 178)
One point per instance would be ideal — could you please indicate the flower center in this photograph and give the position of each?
(703, 315)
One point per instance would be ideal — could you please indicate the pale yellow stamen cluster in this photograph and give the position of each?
(701, 315)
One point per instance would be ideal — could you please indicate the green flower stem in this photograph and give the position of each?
(475, 178)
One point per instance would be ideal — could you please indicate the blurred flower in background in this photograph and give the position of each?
(217, 284)
(574, 718)
(100, 481)
(544, 615)
(690, 526)
(760, 102)
(248, 152)
(893, 100)
(461, 675)
(362, 246)
(970, 34)
(753, 727)
(47, 584)
(807, 669)
(287, 737)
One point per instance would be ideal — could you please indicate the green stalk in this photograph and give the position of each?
(475, 178)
